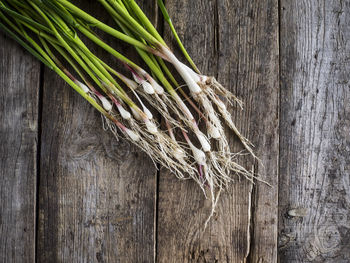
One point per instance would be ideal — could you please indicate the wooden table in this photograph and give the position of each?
(69, 192)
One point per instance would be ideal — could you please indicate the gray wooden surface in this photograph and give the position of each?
(314, 180)
(69, 192)
(19, 115)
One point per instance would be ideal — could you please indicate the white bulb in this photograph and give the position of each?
(147, 87)
(159, 89)
(193, 74)
(136, 114)
(133, 136)
(147, 112)
(132, 84)
(105, 103)
(204, 142)
(198, 155)
(151, 127)
(183, 71)
(213, 131)
(124, 113)
(82, 86)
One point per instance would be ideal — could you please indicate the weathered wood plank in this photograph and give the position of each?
(19, 89)
(238, 43)
(96, 194)
(315, 165)
(258, 85)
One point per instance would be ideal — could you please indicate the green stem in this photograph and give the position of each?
(69, 49)
(132, 23)
(105, 46)
(144, 19)
(53, 66)
(71, 62)
(107, 28)
(173, 30)
(24, 44)
(114, 72)
(154, 68)
(23, 18)
(38, 32)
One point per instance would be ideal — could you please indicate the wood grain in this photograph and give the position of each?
(96, 193)
(238, 43)
(258, 85)
(315, 132)
(99, 199)
(19, 97)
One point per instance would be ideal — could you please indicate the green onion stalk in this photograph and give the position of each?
(109, 98)
(51, 29)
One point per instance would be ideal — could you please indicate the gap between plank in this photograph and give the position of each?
(279, 15)
(251, 222)
(38, 158)
(216, 39)
(160, 24)
(156, 207)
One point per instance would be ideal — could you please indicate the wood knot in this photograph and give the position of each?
(286, 239)
(326, 241)
(89, 141)
(329, 238)
(116, 149)
(343, 130)
(81, 145)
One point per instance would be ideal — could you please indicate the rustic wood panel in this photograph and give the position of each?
(315, 132)
(258, 85)
(96, 194)
(237, 41)
(19, 89)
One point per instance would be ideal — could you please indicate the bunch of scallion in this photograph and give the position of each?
(51, 30)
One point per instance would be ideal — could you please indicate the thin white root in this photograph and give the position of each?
(208, 160)
(225, 114)
(218, 89)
